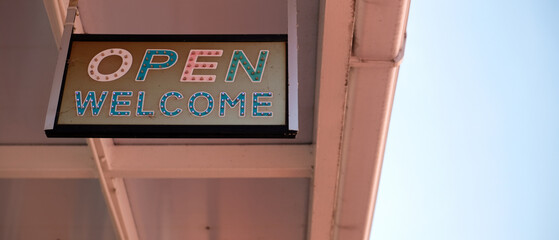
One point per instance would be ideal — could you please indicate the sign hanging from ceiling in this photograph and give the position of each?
(174, 86)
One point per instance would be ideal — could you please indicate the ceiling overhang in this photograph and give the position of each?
(360, 46)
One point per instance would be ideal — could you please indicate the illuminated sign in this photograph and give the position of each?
(174, 86)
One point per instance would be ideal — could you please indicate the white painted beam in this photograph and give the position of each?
(379, 43)
(213, 161)
(46, 162)
(354, 102)
(173, 161)
(113, 189)
(371, 93)
(335, 38)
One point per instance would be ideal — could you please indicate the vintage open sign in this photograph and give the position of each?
(174, 86)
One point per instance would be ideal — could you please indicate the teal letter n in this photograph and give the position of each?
(255, 72)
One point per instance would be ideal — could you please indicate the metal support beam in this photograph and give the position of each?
(113, 189)
(60, 64)
(56, 11)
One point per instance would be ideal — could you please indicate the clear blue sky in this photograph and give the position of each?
(473, 145)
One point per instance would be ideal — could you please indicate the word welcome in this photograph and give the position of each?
(225, 101)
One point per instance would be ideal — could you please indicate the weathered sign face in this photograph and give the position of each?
(174, 86)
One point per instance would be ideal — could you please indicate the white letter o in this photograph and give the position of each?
(93, 68)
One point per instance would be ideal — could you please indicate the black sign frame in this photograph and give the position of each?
(170, 131)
